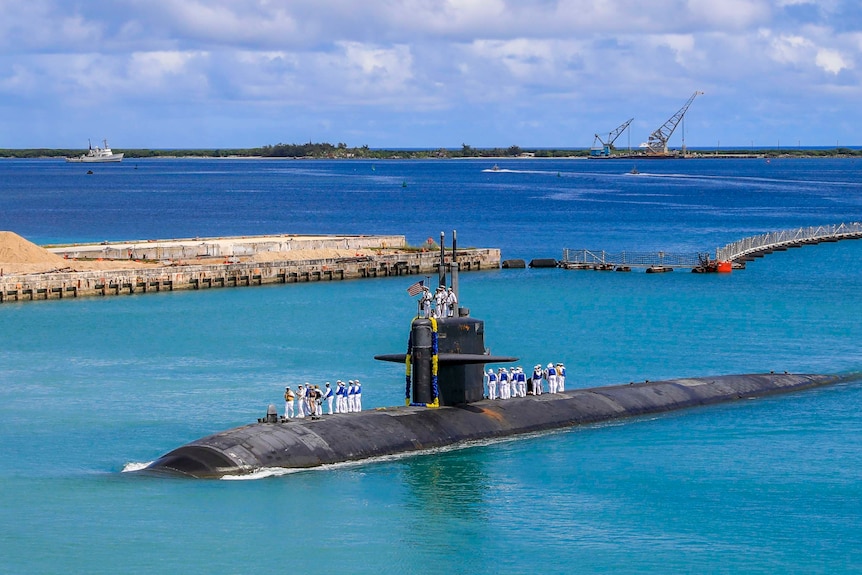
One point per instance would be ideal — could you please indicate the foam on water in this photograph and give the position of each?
(135, 466)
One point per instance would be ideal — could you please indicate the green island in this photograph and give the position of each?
(343, 151)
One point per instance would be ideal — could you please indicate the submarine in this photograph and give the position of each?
(445, 406)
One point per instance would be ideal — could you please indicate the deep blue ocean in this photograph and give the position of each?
(91, 387)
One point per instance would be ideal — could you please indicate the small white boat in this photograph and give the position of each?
(97, 154)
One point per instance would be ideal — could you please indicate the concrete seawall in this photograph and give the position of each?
(224, 247)
(221, 269)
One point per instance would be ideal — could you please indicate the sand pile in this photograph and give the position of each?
(19, 255)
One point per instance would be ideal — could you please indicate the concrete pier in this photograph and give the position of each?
(221, 265)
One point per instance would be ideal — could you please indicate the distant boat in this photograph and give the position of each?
(97, 154)
(496, 168)
(634, 170)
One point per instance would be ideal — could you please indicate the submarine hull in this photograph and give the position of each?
(304, 443)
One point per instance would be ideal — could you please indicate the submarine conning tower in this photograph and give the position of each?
(446, 355)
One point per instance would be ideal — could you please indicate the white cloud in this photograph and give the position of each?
(831, 60)
(682, 45)
(157, 67)
(789, 49)
(486, 60)
(802, 51)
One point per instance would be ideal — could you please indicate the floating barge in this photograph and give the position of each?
(204, 263)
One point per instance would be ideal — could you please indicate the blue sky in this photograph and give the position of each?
(427, 73)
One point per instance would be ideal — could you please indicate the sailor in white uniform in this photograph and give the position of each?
(288, 402)
(513, 382)
(357, 402)
(328, 396)
(537, 380)
(300, 402)
(503, 377)
(492, 384)
(451, 303)
(341, 398)
(551, 376)
(351, 396)
(561, 377)
(440, 300)
(522, 382)
(425, 302)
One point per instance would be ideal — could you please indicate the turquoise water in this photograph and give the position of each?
(91, 386)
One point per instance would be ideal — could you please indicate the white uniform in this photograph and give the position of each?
(300, 402)
(537, 380)
(561, 377)
(492, 384)
(451, 303)
(504, 384)
(328, 395)
(513, 382)
(552, 378)
(440, 300)
(537, 383)
(425, 301)
(522, 383)
(315, 399)
(341, 398)
(358, 397)
(351, 396)
(288, 403)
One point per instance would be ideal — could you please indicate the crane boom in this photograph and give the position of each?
(612, 136)
(605, 148)
(657, 143)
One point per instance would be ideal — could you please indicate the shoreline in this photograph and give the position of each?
(441, 154)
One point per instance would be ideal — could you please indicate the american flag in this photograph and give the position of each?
(416, 288)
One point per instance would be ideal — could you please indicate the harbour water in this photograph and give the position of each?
(91, 387)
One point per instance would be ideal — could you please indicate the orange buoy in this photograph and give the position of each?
(725, 267)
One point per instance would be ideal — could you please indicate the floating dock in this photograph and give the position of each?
(204, 263)
(731, 256)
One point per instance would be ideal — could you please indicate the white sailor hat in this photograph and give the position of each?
(490, 370)
(550, 365)
(327, 384)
